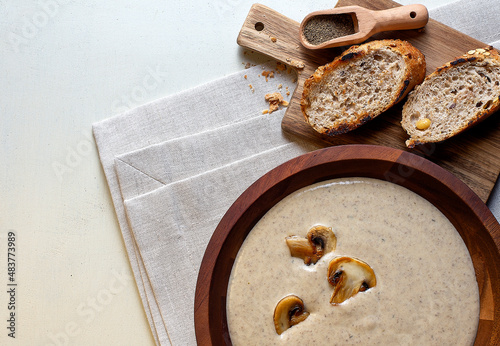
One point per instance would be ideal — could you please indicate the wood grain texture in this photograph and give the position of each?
(472, 156)
(470, 216)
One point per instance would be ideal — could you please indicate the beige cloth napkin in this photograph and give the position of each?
(174, 180)
(479, 19)
(202, 175)
(214, 105)
(175, 223)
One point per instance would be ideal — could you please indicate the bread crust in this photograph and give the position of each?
(414, 73)
(479, 57)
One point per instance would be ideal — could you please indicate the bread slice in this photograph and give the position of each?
(360, 84)
(453, 98)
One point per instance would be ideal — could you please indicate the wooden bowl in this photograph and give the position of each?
(470, 216)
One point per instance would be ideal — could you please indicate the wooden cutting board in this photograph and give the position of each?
(472, 156)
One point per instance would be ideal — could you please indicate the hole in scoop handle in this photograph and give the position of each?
(401, 18)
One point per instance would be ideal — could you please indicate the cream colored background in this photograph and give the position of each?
(64, 65)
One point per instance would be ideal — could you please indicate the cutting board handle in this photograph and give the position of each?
(271, 33)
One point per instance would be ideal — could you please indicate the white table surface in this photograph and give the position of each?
(64, 65)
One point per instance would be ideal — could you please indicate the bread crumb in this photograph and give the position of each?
(268, 74)
(273, 39)
(251, 87)
(245, 76)
(280, 86)
(275, 100)
(265, 111)
(280, 66)
(296, 63)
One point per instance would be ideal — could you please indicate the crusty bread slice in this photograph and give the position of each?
(360, 84)
(453, 98)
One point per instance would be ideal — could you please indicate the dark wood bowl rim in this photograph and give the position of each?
(397, 166)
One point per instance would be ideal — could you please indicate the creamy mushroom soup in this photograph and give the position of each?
(424, 290)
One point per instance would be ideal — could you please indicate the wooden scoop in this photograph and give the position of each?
(365, 23)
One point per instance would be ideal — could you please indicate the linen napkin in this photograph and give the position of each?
(175, 223)
(176, 209)
(478, 19)
(232, 99)
(176, 161)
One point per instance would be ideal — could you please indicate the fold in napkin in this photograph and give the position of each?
(145, 169)
(175, 166)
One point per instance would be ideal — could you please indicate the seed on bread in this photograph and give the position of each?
(423, 124)
(455, 97)
(360, 84)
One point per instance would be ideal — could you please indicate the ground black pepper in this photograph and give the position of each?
(326, 27)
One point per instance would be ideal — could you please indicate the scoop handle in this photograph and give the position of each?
(401, 18)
